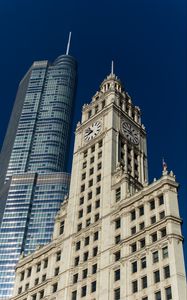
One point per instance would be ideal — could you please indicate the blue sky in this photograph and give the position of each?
(145, 38)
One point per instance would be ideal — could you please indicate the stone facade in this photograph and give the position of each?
(116, 236)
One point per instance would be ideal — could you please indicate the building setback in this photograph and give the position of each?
(34, 161)
(116, 237)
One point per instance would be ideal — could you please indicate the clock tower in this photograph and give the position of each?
(116, 237)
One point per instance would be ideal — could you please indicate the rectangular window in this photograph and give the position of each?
(166, 272)
(96, 218)
(79, 226)
(29, 272)
(89, 195)
(84, 165)
(142, 225)
(98, 190)
(84, 273)
(117, 275)
(133, 247)
(91, 171)
(143, 262)
(41, 294)
(117, 239)
(98, 177)
(168, 293)
(87, 241)
(88, 222)
(163, 232)
(96, 236)
(133, 230)
(43, 277)
(134, 286)
(154, 237)
(133, 215)
(153, 219)
(75, 278)
(152, 204)
(89, 208)
(22, 274)
(95, 251)
(162, 215)
(77, 245)
(26, 286)
(83, 291)
(76, 261)
(85, 256)
(97, 203)
(74, 295)
(81, 200)
(83, 176)
(92, 148)
(118, 194)
(156, 276)
(100, 154)
(36, 281)
(94, 268)
(142, 243)
(20, 290)
(34, 297)
(158, 295)
(85, 153)
(99, 166)
(56, 271)
(82, 188)
(134, 266)
(90, 183)
(117, 294)
(45, 263)
(58, 256)
(117, 223)
(38, 267)
(141, 211)
(93, 286)
(155, 257)
(92, 159)
(54, 287)
(80, 213)
(144, 282)
(161, 200)
(117, 255)
(165, 252)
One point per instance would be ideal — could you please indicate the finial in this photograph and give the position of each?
(68, 45)
(112, 68)
(164, 167)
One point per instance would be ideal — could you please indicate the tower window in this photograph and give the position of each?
(152, 204)
(96, 109)
(155, 257)
(117, 294)
(103, 103)
(163, 232)
(134, 267)
(142, 243)
(76, 261)
(77, 245)
(117, 275)
(96, 217)
(81, 201)
(74, 295)
(117, 255)
(84, 165)
(117, 223)
(83, 291)
(79, 226)
(54, 287)
(91, 171)
(133, 215)
(85, 153)
(45, 263)
(90, 183)
(75, 278)
(94, 268)
(92, 159)
(100, 143)
(161, 200)
(58, 256)
(86, 241)
(88, 222)
(97, 203)
(154, 237)
(80, 213)
(89, 208)
(83, 176)
(89, 114)
(143, 263)
(89, 195)
(92, 148)
(84, 273)
(117, 239)
(168, 293)
(38, 267)
(133, 230)
(165, 252)
(85, 256)
(118, 194)
(156, 276)
(135, 286)
(95, 251)
(82, 188)
(141, 211)
(98, 177)
(153, 219)
(133, 247)
(96, 236)
(61, 227)
(100, 154)
(93, 286)
(142, 225)
(99, 166)
(166, 272)
(29, 272)
(162, 215)
(98, 190)
(158, 295)
(144, 282)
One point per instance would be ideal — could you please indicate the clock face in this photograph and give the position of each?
(130, 133)
(92, 131)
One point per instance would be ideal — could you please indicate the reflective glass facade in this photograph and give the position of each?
(33, 161)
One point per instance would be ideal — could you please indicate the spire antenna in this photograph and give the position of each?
(112, 67)
(68, 45)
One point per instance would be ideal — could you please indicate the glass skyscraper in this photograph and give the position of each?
(33, 161)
